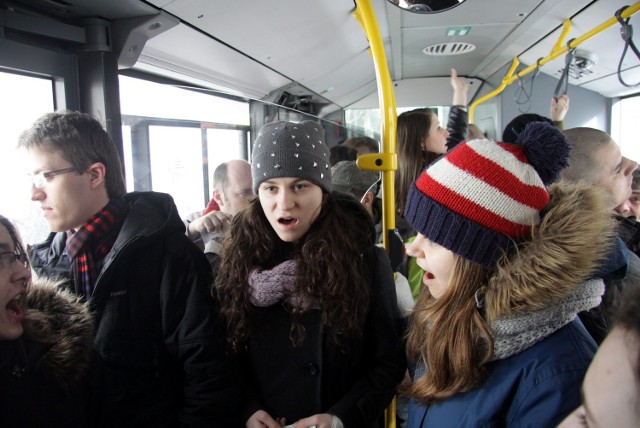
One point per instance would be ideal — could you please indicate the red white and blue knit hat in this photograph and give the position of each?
(484, 195)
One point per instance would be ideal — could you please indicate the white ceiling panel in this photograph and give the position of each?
(183, 49)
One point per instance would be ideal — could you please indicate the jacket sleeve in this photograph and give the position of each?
(195, 337)
(457, 127)
(385, 353)
(549, 401)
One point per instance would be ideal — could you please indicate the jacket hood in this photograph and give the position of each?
(58, 318)
(572, 240)
(151, 213)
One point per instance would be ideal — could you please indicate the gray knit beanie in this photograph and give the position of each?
(289, 149)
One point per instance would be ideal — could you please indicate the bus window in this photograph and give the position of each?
(174, 138)
(224, 145)
(30, 97)
(624, 118)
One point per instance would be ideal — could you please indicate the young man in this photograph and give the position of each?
(596, 159)
(157, 332)
(232, 192)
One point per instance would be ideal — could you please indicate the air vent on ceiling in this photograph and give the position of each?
(451, 48)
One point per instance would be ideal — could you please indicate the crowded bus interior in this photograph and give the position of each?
(187, 90)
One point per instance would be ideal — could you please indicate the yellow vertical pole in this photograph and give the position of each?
(386, 161)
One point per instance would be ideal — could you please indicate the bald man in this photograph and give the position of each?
(596, 159)
(232, 191)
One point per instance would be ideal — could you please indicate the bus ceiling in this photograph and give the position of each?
(313, 56)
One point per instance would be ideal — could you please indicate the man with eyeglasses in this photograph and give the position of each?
(232, 192)
(157, 333)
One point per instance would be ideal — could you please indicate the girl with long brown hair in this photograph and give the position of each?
(507, 265)
(421, 139)
(308, 299)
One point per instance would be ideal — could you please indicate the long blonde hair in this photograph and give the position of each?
(450, 336)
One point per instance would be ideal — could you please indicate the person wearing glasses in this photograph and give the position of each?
(127, 255)
(46, 342)
(232, 192)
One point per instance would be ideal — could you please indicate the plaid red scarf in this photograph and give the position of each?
(91, 243)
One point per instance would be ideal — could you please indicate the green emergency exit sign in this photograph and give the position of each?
(457, 31)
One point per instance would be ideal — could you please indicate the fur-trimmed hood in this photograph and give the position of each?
(58, 318)
(572, 239)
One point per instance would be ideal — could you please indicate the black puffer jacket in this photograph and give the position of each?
(157, 327)
(44, 375)
(457, 127)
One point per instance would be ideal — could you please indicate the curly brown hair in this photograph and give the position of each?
(335, 259)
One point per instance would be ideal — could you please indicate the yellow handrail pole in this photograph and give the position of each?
(555, 53)
(386, 161)
(497, 91)
(566, 27)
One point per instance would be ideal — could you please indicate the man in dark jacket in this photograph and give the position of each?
(596, 159)
(157, 328)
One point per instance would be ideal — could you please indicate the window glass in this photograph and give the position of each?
(144, 98)
(25, 99)
(163, 139)
(624, 119)
(223, 145)
(176, 166)
(128, 157)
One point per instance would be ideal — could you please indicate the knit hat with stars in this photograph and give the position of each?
(484, 195)
(289, 149)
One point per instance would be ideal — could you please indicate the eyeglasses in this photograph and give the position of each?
(371, 188)
(40, 179)
(8, 258)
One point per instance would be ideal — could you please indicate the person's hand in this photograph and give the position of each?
(559, 107)
(262, 419)
(215, 221)
(460, 89)
(322, 420)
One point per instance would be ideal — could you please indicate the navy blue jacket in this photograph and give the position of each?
(537, 387)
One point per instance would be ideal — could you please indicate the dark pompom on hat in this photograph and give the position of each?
(518, 123)
(484, 195)
(290, 149)
(546, 148)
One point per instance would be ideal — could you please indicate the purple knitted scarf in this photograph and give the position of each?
(268, 287)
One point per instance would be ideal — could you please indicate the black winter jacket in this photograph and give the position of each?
(457, 127)
(45, 374)
(157, 327)
(318, 376)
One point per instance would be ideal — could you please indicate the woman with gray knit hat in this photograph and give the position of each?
(308, 299)
(507, 262)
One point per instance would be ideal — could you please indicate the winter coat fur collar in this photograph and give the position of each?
(58, 319)
(572, 239)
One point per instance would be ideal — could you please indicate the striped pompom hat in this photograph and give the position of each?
(484, 195)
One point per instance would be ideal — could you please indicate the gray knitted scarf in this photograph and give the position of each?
(515, 333)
